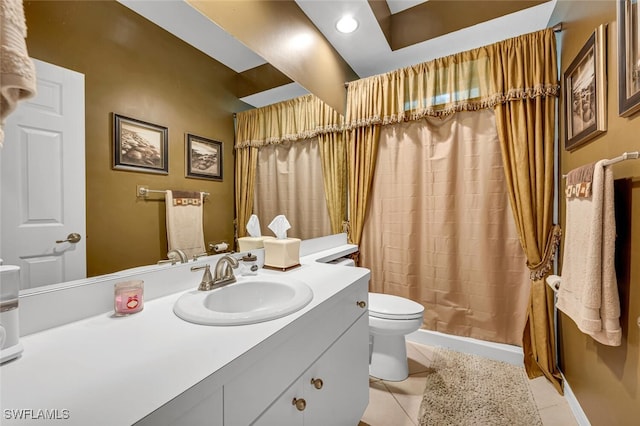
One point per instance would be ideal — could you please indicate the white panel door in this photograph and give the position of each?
(43, 181)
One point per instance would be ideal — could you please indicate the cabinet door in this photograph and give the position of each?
(198, 406)
(343, 393)
(283, 412)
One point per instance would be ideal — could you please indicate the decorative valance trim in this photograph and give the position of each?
(516, 69)
(276, 140)
(448, 109)
(288, 121)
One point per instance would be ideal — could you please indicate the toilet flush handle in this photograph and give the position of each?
(361, 303)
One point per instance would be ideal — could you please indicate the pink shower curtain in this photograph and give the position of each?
(440, 230)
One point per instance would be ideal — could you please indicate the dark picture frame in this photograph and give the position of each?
(203, 158)
(140, 146)
(585, 92)
(628, 15)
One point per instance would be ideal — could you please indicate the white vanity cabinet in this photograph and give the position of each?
(198, 406)
(321, 359)
(330, 391)
(333, 346)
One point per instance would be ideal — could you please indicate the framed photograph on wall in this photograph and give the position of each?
(203, 158)
(585, 91)
(139, 146)
(628, 57)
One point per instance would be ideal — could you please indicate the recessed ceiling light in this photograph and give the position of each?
(347, 24)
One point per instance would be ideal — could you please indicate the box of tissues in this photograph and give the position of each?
(281, 253)
(252, 243)
(255, 240)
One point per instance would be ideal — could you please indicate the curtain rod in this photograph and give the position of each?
(556, 28)
(629, 155)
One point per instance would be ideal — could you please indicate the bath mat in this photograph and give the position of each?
(470, 390)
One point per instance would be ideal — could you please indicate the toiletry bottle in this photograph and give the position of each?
(250, 265)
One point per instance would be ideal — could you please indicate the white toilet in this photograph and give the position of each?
(391, 318)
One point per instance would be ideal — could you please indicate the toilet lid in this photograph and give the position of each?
(389, 306)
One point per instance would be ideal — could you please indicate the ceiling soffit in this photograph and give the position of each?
(435, 18)
(283, 35)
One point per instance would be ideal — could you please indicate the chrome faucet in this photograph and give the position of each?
(182, 255)
(224, 271)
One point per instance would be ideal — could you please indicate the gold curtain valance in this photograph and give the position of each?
(296, 119)
(466, 81)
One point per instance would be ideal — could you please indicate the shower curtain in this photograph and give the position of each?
(440, 231)
(289, 181)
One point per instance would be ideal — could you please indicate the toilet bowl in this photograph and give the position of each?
(391, 318)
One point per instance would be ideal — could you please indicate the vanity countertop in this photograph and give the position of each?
(116, 370)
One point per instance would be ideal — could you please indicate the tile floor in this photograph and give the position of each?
(398, 403)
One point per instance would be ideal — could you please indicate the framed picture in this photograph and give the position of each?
(139, 146)
(203, 158)
(585, 92)
(628, 57)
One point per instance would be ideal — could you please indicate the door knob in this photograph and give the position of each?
(317, 383)
(362, 304)
(71, 238)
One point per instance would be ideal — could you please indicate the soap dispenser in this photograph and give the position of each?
(10, 347)
(249, 264)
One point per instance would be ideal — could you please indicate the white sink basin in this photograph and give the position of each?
(247, 301)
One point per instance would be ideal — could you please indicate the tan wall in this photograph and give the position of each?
(604, 379)
(134, 68)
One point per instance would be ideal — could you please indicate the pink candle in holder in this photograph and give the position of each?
(128, 297)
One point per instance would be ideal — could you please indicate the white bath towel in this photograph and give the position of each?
(184, 222)
(17, 72)
(588, 292)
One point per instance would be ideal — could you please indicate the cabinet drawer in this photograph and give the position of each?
(254, 390)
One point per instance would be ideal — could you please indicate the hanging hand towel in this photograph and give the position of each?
(17, 73)
(184, 222)
(588, 293)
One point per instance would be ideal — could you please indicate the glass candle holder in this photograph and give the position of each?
(128, 297)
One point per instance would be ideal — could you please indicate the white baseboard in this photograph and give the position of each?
(496, 351)
(576, 409)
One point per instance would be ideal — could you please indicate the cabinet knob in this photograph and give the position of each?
(300, 404)
(317, 383)
(361, 303)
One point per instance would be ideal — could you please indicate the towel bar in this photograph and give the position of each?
(629, 155)
(554, 281)
(143, 191)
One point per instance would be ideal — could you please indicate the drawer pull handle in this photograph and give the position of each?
(317, 383)
(300, 404)
(362, 304)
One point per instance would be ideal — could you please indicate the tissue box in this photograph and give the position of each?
(252, 243)
(282, 253)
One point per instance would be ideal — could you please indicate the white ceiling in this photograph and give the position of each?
(366, 50)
